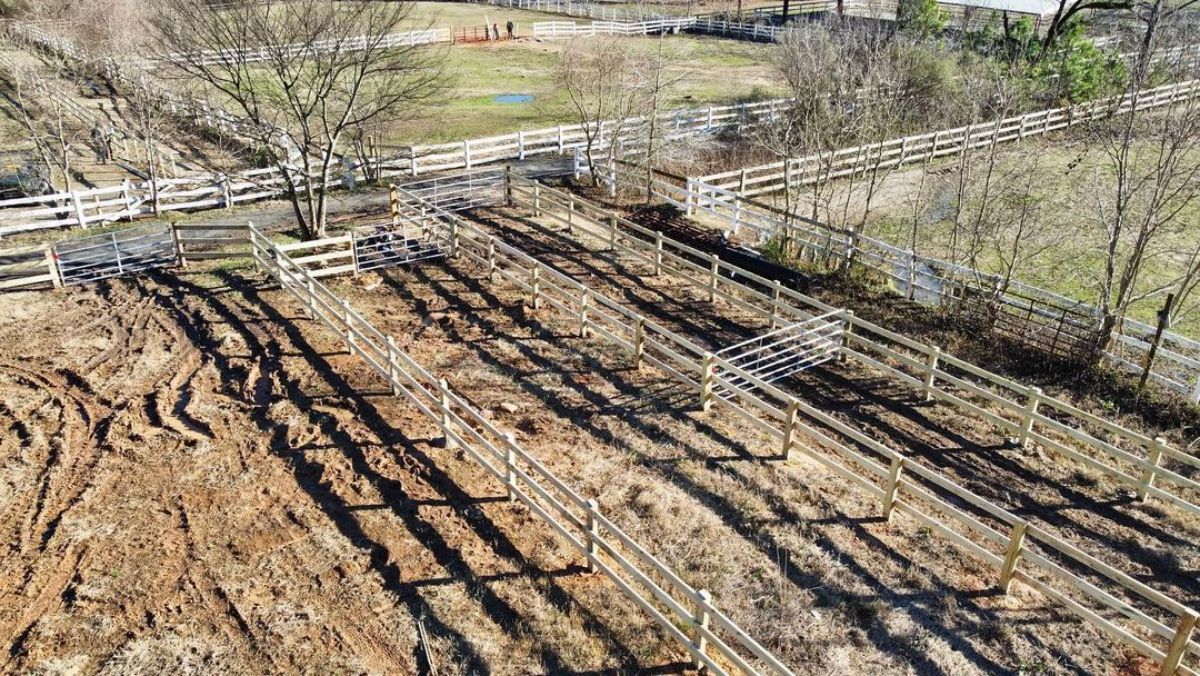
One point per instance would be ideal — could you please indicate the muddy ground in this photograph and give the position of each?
(195, 477)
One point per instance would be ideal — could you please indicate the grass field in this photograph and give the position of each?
(712, 71)
(1070, 175)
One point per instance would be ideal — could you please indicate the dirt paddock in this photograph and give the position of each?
(196, 477)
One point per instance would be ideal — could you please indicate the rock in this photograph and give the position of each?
(509, 407)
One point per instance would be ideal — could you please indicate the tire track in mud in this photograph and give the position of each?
(88, 425)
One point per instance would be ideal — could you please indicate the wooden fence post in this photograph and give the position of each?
(491, 257)
(348, 318)
(713, 277)
(79, 215)
(1179, 644)
(52, 264)
(931, 364)
(776, 290)
(593, 532)
(846, 333)
(1148, 476)
(178, 244)
(394, 204)
(1031, 407)
(703, 618)
(535, 285)
(510, 462)
(639, 342)
(1013, 555)
(893, 487)
(707, 373)
(658, 252)
(789, 434)
(444, 400)
(393, 374)
(612, 232)
(584, 301)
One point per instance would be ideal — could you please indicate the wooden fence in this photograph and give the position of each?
(259, 54)
(1159, 626)
(133, 199)
(799, 171)
(688, 615)
(561, 30)
(1135, 457)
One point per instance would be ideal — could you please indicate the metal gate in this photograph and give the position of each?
(780, 353)
(91, 259)
(385, 246)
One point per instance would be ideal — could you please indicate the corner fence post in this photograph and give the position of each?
(846, 333)
(1013, 555)
(1179, 644)
(393, 375)
(1150, 473)
(931, 364)
(444, 402)
(612, 232)
(893, 487)
(707, 373)
(593, 532)
(703, 618)
(312, 298)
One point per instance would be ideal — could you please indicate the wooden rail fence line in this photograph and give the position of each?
(697, 368)
(861, 159)
(690, 616)
(1024, 405)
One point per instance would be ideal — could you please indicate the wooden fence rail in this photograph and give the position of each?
(677, 607)
(1126, 456)
(899, 482)
(822, 167)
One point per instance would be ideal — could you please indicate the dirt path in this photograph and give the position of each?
(1154, 542)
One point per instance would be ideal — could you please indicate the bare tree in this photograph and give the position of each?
(609, 92)
(319, 69)
(1152, 172)
(50, 124)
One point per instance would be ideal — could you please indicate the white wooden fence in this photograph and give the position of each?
(688, 615)
(561, 30)
(133, 199)
(1122, 607)
(355, 44)
(776, 176)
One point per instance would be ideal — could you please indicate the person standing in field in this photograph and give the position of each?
(496, 31)
(509, 26)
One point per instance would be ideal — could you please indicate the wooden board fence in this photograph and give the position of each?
(861, 159)
(686, 614)
(1061, 568)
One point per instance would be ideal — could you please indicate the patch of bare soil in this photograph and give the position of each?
(193, 480)
(793, 553)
